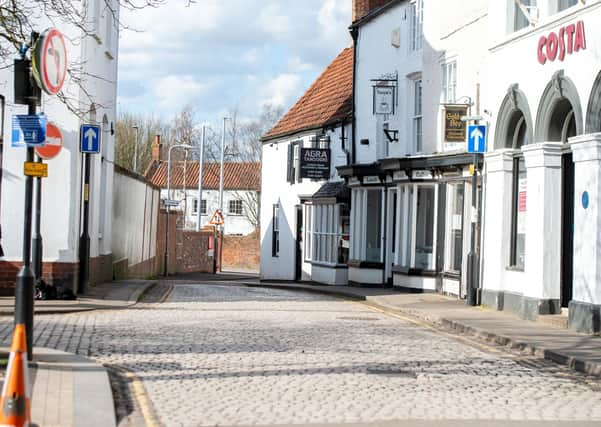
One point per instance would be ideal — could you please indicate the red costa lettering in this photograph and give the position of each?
(568, 39)
(541, 55)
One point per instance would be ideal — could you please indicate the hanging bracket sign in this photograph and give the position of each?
(49, 61)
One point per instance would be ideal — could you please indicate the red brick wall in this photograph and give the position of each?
(242, 252)
(63, 274)
(191, 252)
(363, 7)
(101, 269)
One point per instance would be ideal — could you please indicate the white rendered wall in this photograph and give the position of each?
(135, 220)
(61, 190)
(276, 190)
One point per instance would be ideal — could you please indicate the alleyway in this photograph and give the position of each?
(230, 355)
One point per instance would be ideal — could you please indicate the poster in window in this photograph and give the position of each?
(522, 186)
(315, 163)
(454, 127)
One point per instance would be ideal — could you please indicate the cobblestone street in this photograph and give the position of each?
(233, 355)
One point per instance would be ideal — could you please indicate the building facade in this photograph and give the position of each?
(90, 97)
(541, 234)
(304, 203)
(419, 70)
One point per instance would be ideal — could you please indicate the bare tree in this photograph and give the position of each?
(19, 19)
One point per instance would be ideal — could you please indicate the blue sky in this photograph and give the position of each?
(223, 54)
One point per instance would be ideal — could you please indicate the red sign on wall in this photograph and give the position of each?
(566, 41)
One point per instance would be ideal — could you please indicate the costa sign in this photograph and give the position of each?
(557, 45)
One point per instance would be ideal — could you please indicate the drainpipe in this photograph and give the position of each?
(355, 36)
(2, 103)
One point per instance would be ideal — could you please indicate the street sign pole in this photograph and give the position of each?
(24, 287)
(84, 239)
(37, 255)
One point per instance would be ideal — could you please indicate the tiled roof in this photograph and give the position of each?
(331, 190)
(236, 176)
(327, 101)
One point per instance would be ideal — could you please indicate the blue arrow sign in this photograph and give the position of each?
(89, 139)
(28, 130)
(476, 139)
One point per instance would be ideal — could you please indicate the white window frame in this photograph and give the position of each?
(109, 26)
(449, 82)
(358, 216)
(417, 25)
(417, 129)
(406, 238)
(235, 211)
(308, 232)
(296, 161)
(326, 233)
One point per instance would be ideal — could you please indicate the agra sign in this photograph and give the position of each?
(315, 163)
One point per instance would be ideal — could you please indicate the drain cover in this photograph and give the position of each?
(362, 319)
(392, 372)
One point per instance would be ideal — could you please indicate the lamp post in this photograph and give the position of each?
(168, 205)
(200, 165)
(136, 149)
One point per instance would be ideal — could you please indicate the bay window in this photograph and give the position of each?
(367, 225)
(327, 233)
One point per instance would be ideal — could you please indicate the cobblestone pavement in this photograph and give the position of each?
(239, 356)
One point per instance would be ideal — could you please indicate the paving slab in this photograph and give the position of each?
(548, 340)
(111, 295)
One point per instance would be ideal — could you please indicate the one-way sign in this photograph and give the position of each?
(476, 139)
(89, 139)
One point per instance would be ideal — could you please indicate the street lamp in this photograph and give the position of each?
(136, 149)
(168, 204)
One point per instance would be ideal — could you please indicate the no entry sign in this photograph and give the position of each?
(54, 143)
(50, 61)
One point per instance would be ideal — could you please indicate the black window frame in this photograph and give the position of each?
(275, 231)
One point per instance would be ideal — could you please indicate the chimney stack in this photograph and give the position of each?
(156, 149)
(363, 7)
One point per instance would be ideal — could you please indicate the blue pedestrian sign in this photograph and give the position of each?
(28, 130)
(89, 139)
(476, 139)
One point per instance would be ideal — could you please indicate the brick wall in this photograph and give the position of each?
(191, 252)
(363, 7)
(63, 274)
(101, 269)
(242, 252)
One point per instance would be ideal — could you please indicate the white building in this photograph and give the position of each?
(543, 171)
(419, 69)
(241, 192)
(305, 221)
(93, 57)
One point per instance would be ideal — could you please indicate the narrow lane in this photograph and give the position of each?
(232, 355)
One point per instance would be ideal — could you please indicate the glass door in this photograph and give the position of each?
(454, 227)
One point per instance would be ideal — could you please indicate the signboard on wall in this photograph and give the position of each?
(315, 163)
(454, 127)
(384, 100)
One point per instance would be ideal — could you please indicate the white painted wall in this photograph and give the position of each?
(234, 224)
(61, 190)
(276, 190)
(136, 207)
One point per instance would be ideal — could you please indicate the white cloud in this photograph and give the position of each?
(222, 54)
(280, 90)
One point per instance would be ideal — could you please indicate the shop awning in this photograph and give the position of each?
(332, 192)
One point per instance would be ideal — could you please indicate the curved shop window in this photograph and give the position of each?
(366, 225)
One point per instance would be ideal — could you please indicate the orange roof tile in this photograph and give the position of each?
(236, 176)
(327, 101)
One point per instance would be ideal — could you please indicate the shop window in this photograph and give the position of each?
(275, 231)
(417, 20)
(330, 233)
(235, 207)
(454, 227)
(373, 235)
(417, 225)
(517, 257)
(308, 229)
(366, 225)
(449, 82)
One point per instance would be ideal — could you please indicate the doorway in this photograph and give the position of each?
(299, 244)
(567, 228)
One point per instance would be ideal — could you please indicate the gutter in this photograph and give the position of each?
(355, 36)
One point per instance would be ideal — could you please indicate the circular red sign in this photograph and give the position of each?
(53, 145)
(50, 68)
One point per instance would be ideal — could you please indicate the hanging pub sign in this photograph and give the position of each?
(454, 127)
(315, 163)
(384, 100)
